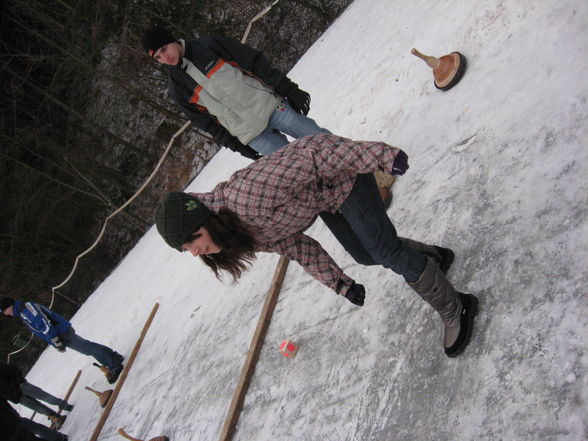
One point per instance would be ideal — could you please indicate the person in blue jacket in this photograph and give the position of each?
(59, 333)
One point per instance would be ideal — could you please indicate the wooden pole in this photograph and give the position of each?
(67, 394)
(70, 390)
(73, 384)
(123, 376)
(254, 349)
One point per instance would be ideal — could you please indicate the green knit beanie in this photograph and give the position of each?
(178, 216)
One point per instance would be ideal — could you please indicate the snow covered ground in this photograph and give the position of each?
(499, 172)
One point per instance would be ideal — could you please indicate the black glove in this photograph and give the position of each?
(356, 294)
(299, 100)
(250, 154)
(400, 163)
(235, 145)
(58, 344)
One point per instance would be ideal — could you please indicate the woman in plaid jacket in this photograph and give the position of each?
(267, 206)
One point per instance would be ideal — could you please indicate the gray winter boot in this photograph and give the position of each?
(457, 310)
(443, 257)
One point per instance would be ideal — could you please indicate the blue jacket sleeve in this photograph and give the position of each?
(59, 322)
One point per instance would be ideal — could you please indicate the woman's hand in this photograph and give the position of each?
(356, 294)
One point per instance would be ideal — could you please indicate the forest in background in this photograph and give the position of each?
(84, 118)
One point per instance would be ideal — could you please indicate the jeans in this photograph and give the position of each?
(104, 355)
(32, 393)
(365, 231)
(284, 121)
(28, 427)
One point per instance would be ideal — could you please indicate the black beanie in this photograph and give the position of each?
(154, 38)
(178, 216)
(5, 302)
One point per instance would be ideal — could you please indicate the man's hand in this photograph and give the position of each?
(299, 100)
(235, 145)
(356, 294)
(58, 344)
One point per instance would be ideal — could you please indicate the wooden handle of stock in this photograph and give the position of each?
(127, 436)
(92, 390)
(432, 62)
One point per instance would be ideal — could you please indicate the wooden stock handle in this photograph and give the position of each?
(92, 390)
(127, 436)
(432, 62)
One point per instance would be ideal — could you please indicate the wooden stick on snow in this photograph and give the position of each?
(123, 375)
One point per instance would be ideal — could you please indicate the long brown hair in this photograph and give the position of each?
(236, 241)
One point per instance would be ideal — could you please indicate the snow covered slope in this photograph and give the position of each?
(498, 171)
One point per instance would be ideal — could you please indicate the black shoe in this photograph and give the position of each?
(447, 257)
(113, 374)
(68, 407)
(470, 309)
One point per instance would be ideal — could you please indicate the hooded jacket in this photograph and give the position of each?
(227, 89)
(44, 323)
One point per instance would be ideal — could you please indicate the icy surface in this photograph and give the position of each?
(499, 172)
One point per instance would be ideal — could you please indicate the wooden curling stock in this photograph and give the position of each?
(103, 397)
(447, 70)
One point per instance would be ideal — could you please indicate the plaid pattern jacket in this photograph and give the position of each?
(280, 195)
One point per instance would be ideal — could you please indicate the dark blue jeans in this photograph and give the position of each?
(103, 354)
(365, 231)
(31, 394)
